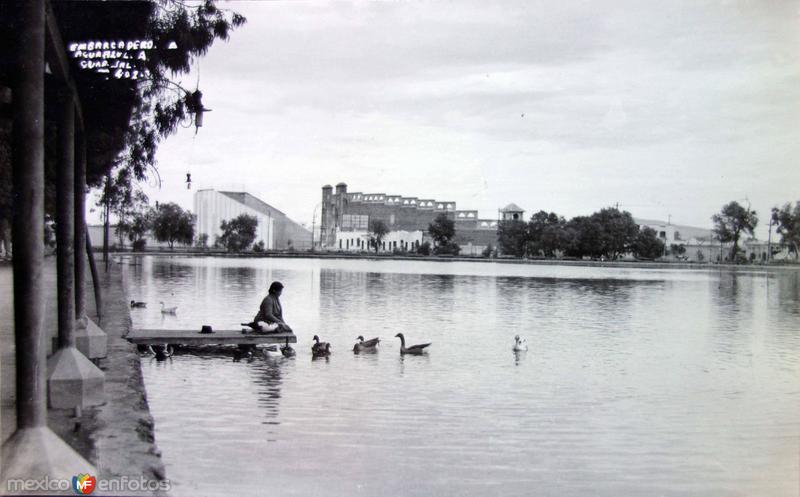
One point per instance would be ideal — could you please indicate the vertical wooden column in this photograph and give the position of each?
(80, 226)
(89, 338)
(72, 379)
(33, 451)
(98, 296)
(28, 219)
(65, 221)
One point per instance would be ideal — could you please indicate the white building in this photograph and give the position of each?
(358, 241)
(275, 229)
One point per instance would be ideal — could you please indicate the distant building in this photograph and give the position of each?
(275, 229)
(676, 234)
(512, 212)
(345, 221)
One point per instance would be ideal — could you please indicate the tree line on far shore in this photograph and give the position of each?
(169, 223)
(606, 234)
(611, 233)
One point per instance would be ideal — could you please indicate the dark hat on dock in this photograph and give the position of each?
(206, 329)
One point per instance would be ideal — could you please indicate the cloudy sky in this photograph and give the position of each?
(666, 108)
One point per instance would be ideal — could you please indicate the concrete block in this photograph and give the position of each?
(90, 339)
(73, 380)
(39, 454)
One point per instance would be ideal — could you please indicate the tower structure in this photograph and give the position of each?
(512, 212)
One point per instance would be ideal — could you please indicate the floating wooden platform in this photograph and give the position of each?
(219, 337)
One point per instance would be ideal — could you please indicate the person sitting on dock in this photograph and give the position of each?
(270, 313)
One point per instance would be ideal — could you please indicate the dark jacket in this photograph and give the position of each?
(270, 310)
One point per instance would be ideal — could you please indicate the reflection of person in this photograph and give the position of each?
(270, 313)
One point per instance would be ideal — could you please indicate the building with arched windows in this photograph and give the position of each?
(346, 215)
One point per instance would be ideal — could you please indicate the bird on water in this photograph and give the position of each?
(411, 349)
(320, 349)
(366, 345)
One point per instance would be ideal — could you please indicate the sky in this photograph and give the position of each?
(667, 109)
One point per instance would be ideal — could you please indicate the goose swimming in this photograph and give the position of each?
(168, 310)
(138, 305)
(520, 344)
(161, 352)
(366, 345)
(320, 349)
(413, 349)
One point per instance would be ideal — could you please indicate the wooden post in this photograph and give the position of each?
(89, 338)
(33, 451)
(80, 227)
(28, 217)
(65, 222)
(107, 223)
(98, 300)
(72, 380)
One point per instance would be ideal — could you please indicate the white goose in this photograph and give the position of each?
(168, 310)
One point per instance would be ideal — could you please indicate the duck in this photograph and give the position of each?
(287, 351)
(520, 344)
(242, 352)
(138, 305)
(413, 349)
(168, 310)
(366, 345)
(161, 352)
(320, 349)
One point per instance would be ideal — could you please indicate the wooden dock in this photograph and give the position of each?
(219, 337)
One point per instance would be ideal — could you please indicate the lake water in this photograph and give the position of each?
(637, 382)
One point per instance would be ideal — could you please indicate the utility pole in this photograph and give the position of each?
(769, 239)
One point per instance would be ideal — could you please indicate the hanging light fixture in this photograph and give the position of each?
(194, 101)
(188, 181)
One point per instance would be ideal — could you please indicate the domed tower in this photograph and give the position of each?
(512, 212)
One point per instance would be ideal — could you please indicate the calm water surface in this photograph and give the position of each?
(637, 382)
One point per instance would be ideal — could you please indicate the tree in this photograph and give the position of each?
(647, 245)
(139, 225)
(585, 237)
(202, 241)
(377, 230)
(787, 220)
(677, 250)
(512, 237)
(124, 199)
(442, 230)
(172, 224)
(731, 222)
(424, 248)
(546, 234)
(556, 238)
(238, 233)
(618, 231)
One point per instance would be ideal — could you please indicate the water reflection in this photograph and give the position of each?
(635, 380)
(268, 378)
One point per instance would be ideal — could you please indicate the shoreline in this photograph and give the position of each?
(117, 436)
(706, 266)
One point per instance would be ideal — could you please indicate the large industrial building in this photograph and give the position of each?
(275, 229)
(346, 216)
